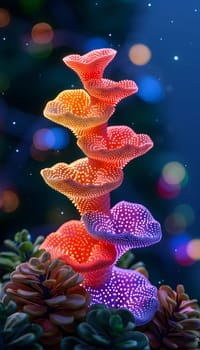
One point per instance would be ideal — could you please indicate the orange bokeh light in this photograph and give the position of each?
(38, 155)
(9, 201)
(139, 54)
(4, 17)
(42, 33)
(193, 249)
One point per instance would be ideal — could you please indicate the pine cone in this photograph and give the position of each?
(50, 293)
(106, 328)
(20, 249)
(16, 331)
(176, 324)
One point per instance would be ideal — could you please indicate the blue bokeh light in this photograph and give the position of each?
(48, 139)
(55, 138)
(150, 89)
(179, 240)
(61, 138)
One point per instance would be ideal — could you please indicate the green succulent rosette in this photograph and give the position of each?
(18, 250)
(106, 328)
(16, 330)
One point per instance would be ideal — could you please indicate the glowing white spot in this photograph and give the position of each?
(176, 58)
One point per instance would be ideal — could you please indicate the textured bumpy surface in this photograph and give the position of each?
(129, 225)
(93, 245)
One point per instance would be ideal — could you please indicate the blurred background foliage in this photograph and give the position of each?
(159, 49)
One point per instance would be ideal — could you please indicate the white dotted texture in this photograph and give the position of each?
(129, 289)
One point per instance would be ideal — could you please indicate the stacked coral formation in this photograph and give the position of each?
(93, 245)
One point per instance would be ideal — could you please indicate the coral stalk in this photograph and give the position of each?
(93, 245)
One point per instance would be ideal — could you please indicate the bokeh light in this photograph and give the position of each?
(9, 201)
(139, 54)
(150, 89)
(182, 256)
(54, 138)
(178, 245)
(187, 211)
(43, 139)
(38, 155)
(42, 33)
(174, 177)
(167, 191)
(174, 173)
(4, 17)
(179, 219)
(176, 241)
(61, 138)
(193, 249)
(175, 223)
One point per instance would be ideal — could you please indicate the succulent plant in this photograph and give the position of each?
(50, 293)
(7, 306)
(106, 328)
(176, 324)
(16, 331)
(20, 249)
